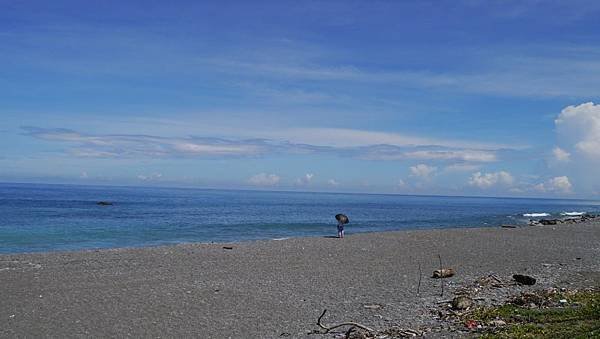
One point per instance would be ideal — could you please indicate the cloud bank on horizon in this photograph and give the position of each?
(477, 98)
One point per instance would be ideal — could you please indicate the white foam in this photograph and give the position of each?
(279, 239)
(572, 214)
(536, 215)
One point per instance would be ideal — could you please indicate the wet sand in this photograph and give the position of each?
(269, 289)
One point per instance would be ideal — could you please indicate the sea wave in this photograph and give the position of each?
(572, 214)
(536, 214)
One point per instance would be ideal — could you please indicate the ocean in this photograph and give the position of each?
(38, 217)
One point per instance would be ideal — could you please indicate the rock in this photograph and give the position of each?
(372, 307)
(497, 323)
(524, 279)
(227, 247)
(443, 273)
(509, 226)
(359, 334)
(104, 203)
(546, 222)
(462, 303)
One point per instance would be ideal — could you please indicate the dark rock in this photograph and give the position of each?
(548, 221)
(462, 302)
(524, 279)
(104, 203)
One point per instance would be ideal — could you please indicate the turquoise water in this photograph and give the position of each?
(37, 217)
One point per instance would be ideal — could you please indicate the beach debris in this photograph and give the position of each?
(524, 279)
(531, 299)
(462, 303)
(443, 273)
(342, 218)
(471, 324)
(398, 332)
(372, 307)
(104, 203)
(227, 247)
(347, 323)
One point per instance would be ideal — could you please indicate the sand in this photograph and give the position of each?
(272, 289)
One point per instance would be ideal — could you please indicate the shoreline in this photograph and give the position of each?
(266, 288)
(332, 235)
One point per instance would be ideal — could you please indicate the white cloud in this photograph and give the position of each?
(150, 177)
(422, 171)
(464, 155)
(461, 168)
(342, 137)
(402, 184)
(305, 180)
(333, 182)
(580, 126)
(264, 179)
(487, 180)
(561, 155)
(557, 184)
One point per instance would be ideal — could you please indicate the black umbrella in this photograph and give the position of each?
(342, 218)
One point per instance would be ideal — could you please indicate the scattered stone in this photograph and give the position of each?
(372, 307)
(509, 226)
(443, 273)
(563, 301)
(227, 247)
(497, 323)
(524, 279)
(546, 222)
(462, 302)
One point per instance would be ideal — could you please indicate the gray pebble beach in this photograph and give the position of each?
(278, 288)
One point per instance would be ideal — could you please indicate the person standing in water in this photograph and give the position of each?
(342, 220)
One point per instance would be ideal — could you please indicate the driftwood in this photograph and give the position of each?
(443, 273)
(349, 323)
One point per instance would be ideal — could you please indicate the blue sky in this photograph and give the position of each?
(423, 97)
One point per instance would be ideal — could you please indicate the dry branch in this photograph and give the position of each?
(349, 323)
(441, 270)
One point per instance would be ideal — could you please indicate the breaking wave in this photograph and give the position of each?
(536, 214)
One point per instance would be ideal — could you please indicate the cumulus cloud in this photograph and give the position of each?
(422, 171)
(264, 179)
(305, 180)
(488, 180)
(579, 126)
(561, 155)
(557, 184)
